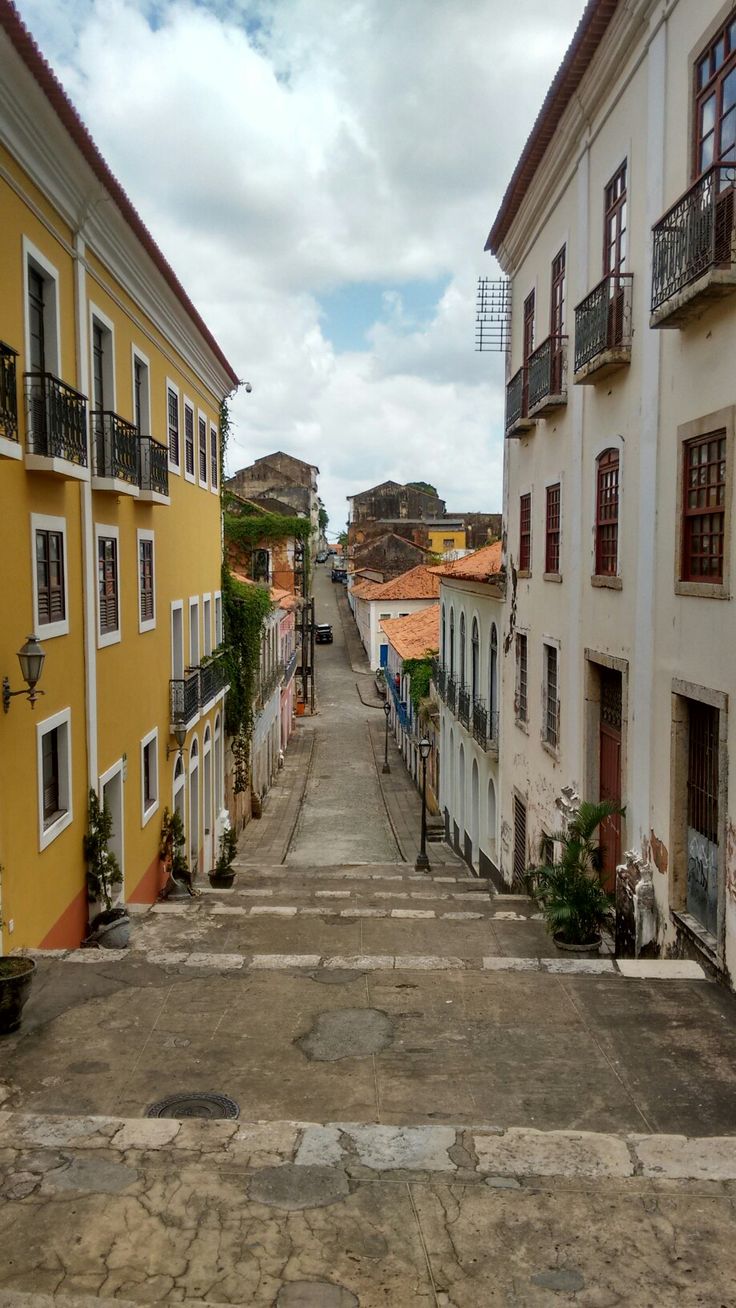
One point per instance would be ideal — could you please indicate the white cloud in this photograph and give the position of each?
(279, 149)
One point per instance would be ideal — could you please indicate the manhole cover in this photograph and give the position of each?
(194, 1105)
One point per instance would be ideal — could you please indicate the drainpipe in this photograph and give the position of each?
(85, 503)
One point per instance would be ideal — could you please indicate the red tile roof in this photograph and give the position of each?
(589, 33)
(26, 48)
(483, 565)
(415, 636)
(417, 583)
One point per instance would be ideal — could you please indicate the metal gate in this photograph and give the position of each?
(519, 840)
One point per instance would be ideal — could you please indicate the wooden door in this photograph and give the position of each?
(610, 772)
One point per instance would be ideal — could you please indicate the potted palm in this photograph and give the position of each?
(223, 873)
(109, 923)
(569, 890)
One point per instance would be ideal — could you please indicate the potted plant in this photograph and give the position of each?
(223, 874)
(178, 878)
(110, 924)
(16, 976)
(570, 893)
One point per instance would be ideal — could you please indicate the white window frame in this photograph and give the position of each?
(220, 472)
(187, 404)
(207, 624)
(206, 482)
(46, 834)
(174, 467)
(193, 604)
(177, 605)
(95, 313)
(48, 630)
(136, 353)
(218, 619)
(109, 637)
(146, 742)
(146, 624)
(52, 319)
(549, 643)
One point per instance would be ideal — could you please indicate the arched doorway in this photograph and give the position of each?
(219, 771)
(461, 796)
(452, 642)
(207, 814)
(474, 659)
(491, 824)
(194, 809)
(493, 684)
(462, 668)
(474, 814)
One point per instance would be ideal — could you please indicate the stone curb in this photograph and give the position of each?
(485, 1151)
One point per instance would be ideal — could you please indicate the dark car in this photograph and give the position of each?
(323, 633)
(322, 556)
(339, 574)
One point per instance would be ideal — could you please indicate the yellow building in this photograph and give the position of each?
(446, 538)
(110, 542)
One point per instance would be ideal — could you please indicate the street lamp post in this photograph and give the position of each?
(422, 863)
(387, 711)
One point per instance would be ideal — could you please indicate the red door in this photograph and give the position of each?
(610, 772)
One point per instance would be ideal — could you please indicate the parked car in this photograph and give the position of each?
(339, 574)
(323, 633)
(322, 556)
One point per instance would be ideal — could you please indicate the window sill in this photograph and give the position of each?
(552, 750)
(524, 574)
(603, 582)
(704, 589)
(50, 630)
(147, 624)
(523, 725)
(703, 940)
(552, 576)
(149, 812)
(53, 828)
(105, 638)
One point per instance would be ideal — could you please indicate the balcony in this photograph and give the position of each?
(9, 443)
(547, 370)
(603, 330)
(116, 455)
(463, 706)
(451, 694)
(441, 681)
(694, 251)
(290, 668)
(154, 465)
(212, 680)
(57, 427)
(485, 727)
(517, 404)
(185, 699)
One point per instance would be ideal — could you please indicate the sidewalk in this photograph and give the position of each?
(266, 839)
(403, 803)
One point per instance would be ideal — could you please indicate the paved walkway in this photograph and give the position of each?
(266, 839)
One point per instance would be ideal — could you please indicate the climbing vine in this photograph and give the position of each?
(244, 611)
(420, 671)
(247, 525)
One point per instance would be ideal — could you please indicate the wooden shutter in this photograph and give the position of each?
(107, 571)
(50, 753)
(202, 449)
(146, 580)
(50, 577)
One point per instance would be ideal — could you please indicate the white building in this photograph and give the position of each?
(414, 641)
(471, 627)
(372, 602)
(619, 222)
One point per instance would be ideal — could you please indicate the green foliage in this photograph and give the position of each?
(244, 611)
(103, 871)
(570, 893)
(323, 519)
(425, 486)
(171, 846)
(225, 430)
(228, 850)
(343, 539)
(420, 671)
(247, 525)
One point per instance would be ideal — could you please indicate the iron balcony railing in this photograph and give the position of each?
(212, 679)
(451, 694)
(185, 698)
(463, 706)
(8, 393)
(267, 685)
(696, 234)
(116, 447)
(547, 370)
(603, 319)
(441, 681)
(290, 668)
(57, 419)
(154, 463)
(485, 725)
(517, 394)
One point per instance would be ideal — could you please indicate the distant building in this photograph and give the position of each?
(390, 554)
(411, 639)
(373, 602)
(282, 477)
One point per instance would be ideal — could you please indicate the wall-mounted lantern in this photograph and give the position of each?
(31, 657)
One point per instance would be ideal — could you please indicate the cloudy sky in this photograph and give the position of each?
(322, 175)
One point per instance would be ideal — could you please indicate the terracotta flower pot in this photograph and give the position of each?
(593, 946)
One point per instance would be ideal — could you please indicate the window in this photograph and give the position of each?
(557, 294)
(207, 624)
(525, 533)
(36, 320)
(528, 343)
(703, 522)
(462, 651)
(103, 355)
(146, 582)
(519, 841)
(550, 726)
(48, 542)
(452, 642)
(141, 395)
(448, 543)
(443, 646)
(194, 633)
(614, 224)
(715, 101)
(606, 514)
(218, 620)
(214, 459)
(54, 761)
(177, 640)
(202, 423)
(520, 696)
(172, 401)
(552, 532)
(188, 441)
(107, 585)
(702, 813)
(474, 659)
(149, 776)
(493, 675)
(546, 850)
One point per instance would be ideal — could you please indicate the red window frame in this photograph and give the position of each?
(703, 508)
(606, 513)
(525, 533)
(715, 85)
(552, 530)
(529, 309)
(614, 223)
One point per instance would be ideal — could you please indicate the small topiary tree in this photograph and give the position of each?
(569, 891)
(103, 869)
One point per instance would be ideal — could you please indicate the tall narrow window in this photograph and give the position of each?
(519, 840)
(715, 102)
(214, 459)
(557, 320)
(551, 697)
(493, 673)
(452, 642)
(704, 487)
(462, 650)
(98, 366)
(474, 659)
(141, 396)
(50, 767)
(188, 440)
(528, 343)
(173, 421)
(107, 581)
(615, 224)
(202, 422)
(525, 533)
(606, 514)
(444, 638)
(552, 533)
(36, 320)
(702, 814)
(51, 600)
(145, 563)
(520, 697)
